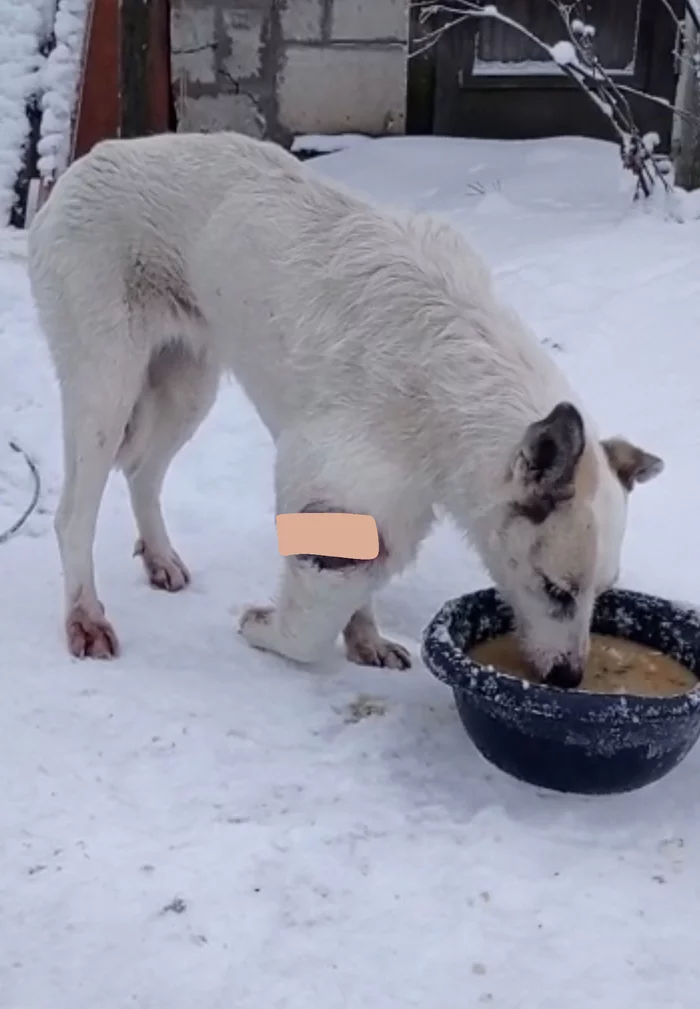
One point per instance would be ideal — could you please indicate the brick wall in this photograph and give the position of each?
(275, 68)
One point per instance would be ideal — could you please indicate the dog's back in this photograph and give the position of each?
(163, 187)
(122, 221)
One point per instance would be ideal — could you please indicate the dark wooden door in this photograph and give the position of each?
(490, 81)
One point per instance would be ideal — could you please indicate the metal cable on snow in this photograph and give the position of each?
(33, 469)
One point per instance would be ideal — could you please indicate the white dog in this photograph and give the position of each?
(389, 375)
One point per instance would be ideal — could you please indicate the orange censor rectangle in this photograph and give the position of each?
(328, 534)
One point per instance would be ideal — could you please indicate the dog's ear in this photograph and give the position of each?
(631, 465)
(549, 453)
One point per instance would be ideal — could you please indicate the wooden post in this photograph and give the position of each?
(686, 139)
(420, 84)
(162, 105)
(97, 110)
(133, 71)
(145, 68)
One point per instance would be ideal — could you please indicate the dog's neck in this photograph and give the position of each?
(481, 397)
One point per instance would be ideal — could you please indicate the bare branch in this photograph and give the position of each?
(576, 57)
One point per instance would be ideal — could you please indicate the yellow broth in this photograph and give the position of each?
(615, 666)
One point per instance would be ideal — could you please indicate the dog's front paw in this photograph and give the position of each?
(256, 626)
(90, 635)
(379, 652)
(165, 571)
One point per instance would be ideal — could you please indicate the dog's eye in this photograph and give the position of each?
(563, 599)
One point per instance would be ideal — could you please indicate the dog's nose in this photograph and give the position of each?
(565, 674)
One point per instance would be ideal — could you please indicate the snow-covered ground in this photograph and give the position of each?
(201, 825)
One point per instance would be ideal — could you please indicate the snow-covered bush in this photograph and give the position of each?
(21, 23)
(59, 81)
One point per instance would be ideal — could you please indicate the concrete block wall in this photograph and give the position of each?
(276, 68)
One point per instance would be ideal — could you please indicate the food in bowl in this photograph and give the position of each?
(614, 666)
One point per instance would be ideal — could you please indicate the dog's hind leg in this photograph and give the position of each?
(179, 391)
(365, 645)
(98, 396)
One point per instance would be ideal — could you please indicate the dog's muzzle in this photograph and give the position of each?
(565, 674)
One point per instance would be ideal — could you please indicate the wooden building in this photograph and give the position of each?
(485, 79)
(482, 79)
(275, 68)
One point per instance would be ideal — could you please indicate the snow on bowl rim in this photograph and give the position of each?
(669, 627)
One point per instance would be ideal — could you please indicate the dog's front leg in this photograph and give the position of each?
(321, 596)
(365, 645)
(317, 599)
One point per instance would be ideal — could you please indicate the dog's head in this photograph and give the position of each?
(560, 533)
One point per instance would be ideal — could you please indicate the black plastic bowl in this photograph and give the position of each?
(570, 740)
